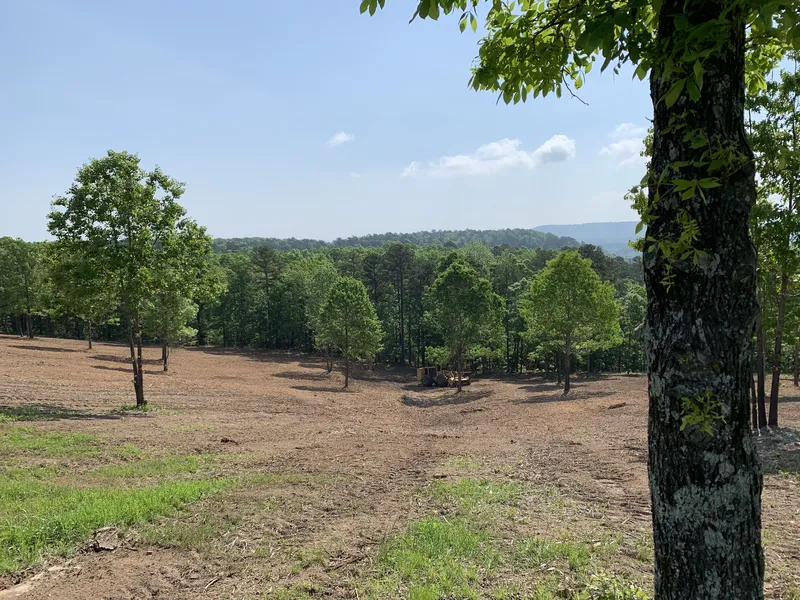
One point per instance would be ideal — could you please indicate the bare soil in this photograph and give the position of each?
(358, 459)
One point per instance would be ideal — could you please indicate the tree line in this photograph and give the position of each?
(128, 265)
(512, 238)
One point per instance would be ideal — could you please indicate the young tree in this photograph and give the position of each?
(21, 280)
(126, 221)
(78, 287)
(463, 308)
(699, 261)
(569, 303)
(773, 123)
(348, 322)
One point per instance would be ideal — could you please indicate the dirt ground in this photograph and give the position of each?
(359, 458)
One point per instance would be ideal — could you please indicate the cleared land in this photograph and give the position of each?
(256, 476)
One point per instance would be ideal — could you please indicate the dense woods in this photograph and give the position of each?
(271, 299)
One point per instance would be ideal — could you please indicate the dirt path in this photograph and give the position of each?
(366, 454)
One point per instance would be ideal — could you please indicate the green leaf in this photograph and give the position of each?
(642, 70)
(691, 87)
(578, 82)
(671, 97)
(639, 227)
(698, 74)
(681, 22)
(473, 23)
(364, 6)
(709, 183)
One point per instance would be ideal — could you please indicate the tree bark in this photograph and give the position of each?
(89, 331)
(761, 375)
(165, 354)
(776, 359)
(705, 489)
(140, 399)
(754, 402)
(136, 374)
(458, 372)
(558, 366)
(402, 316)
(567, 351)
(19, 326)
(796, 366)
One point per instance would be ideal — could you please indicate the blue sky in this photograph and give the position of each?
(243, 101)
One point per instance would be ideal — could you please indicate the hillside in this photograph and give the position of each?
(513, 238)
(613, 237)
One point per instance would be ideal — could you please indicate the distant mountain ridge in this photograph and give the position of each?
(513, 238)
(613, 237)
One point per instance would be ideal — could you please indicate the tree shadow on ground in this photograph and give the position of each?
(779, 450)
(46, 412)
(557, 395)
(312, 388)
(123, 359)
(789, 399)
(128, 370)
(44, 348)
(453, 399)
(303, 376)
(268, 356)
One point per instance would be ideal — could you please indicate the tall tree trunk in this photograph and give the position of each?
(705, 489)
(588, 364)
(346, 371)
(761, 375)
(140, 399)
(29, 323)
(402, 317)
(89, 331)
(754, 402)
(201, 324)
(567, 351)
(19, 325)
(134, 365)
(776, 359)
(558, 366)
(796, 366)
(165, 353)
(458, 372)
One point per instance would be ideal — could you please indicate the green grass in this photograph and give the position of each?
(146, 468)
(473, 549)
(433, 559)
(198, 533)
(472, 495)
(26, 441)
(538, 552)
(305, 558)
(38, 518)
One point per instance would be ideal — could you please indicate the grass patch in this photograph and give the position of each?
(26, 440)
(433, 559)
(305, 558)
(197, 533)
(471, 495)
(146, 468)
(542, 553)
(37, 518)
(462, 463)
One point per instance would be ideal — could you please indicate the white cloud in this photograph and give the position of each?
(355, 175)
(626, 145)
(496, 157)
(340, 138)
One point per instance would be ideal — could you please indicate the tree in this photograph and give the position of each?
(463, 307)
(22, 279)
(773, 133)
(348, 322)
(79, 287)
(176, 278)
(128, 222)
(699, 261)
(398, 258)
(568, 303)
(633, 304)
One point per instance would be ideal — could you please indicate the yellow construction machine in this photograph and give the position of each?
(434, 376)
